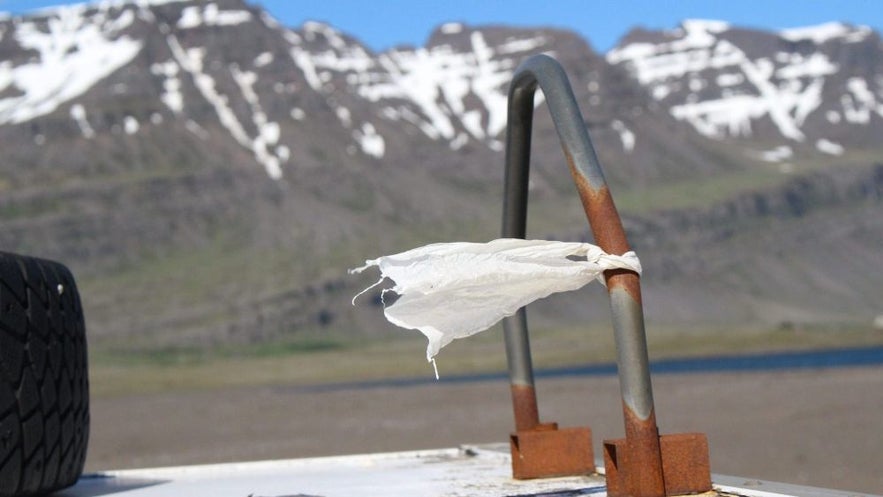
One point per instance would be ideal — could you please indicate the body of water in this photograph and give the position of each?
(764, 361)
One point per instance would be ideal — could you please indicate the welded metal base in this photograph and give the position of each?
(546, 451)
(685, 465)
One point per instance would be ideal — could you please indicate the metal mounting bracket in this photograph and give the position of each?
(643, 464)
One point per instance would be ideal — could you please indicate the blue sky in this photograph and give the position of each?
(382, 24)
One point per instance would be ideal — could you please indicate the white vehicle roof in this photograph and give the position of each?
(483, 471)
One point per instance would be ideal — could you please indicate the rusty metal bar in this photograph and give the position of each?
(623, 286)
(524, 397)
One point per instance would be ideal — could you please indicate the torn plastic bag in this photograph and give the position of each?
(454, 290)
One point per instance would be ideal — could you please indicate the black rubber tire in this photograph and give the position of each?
(44, 384)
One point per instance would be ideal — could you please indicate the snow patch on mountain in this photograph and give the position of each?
(78, 114)
(339, 57)
(859, 103)
(193, 127)
(433, 89)
(715, 86)
(829, 147)
(171, 95)
(191, 60)
(626, 135)
(440, 81)
(263, 59)
(825, 32)
(211, 15)
(312, 29)
(451, 28)
(131, 125)
(370, 142)
(778, 154)
(74, 52)
(522, 45)
(100, 6)
(268, 131)
(344, 116)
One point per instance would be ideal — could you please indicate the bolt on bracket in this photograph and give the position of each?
(643, 464)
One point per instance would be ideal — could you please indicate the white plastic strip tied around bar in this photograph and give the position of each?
(455, 290)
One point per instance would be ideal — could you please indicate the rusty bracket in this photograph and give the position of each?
(642, 464)
(548, 451)
(685, 468)
(542, 450)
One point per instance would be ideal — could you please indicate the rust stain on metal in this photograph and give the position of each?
(524, 404)
(607, 229)
(685, 463)
(642, 444)
(546, 453)
(601, 212)
(627, 280)
(645, 464)
(541, 450)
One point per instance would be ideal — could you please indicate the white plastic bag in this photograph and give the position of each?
(454, 290)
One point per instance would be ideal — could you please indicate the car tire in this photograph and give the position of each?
(44, 385)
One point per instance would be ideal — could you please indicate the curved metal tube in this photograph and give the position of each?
(623, 286)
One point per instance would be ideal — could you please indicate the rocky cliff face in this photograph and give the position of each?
(210, 173)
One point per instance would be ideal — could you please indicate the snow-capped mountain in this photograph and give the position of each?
(164, 139)
(819, 87)
(227, 74)
(255, 80)
(227, 71)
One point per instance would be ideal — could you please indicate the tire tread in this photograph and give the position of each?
(44, 386)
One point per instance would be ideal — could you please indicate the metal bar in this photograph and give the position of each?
(521, 379)
(623, 286)
(524, 397)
